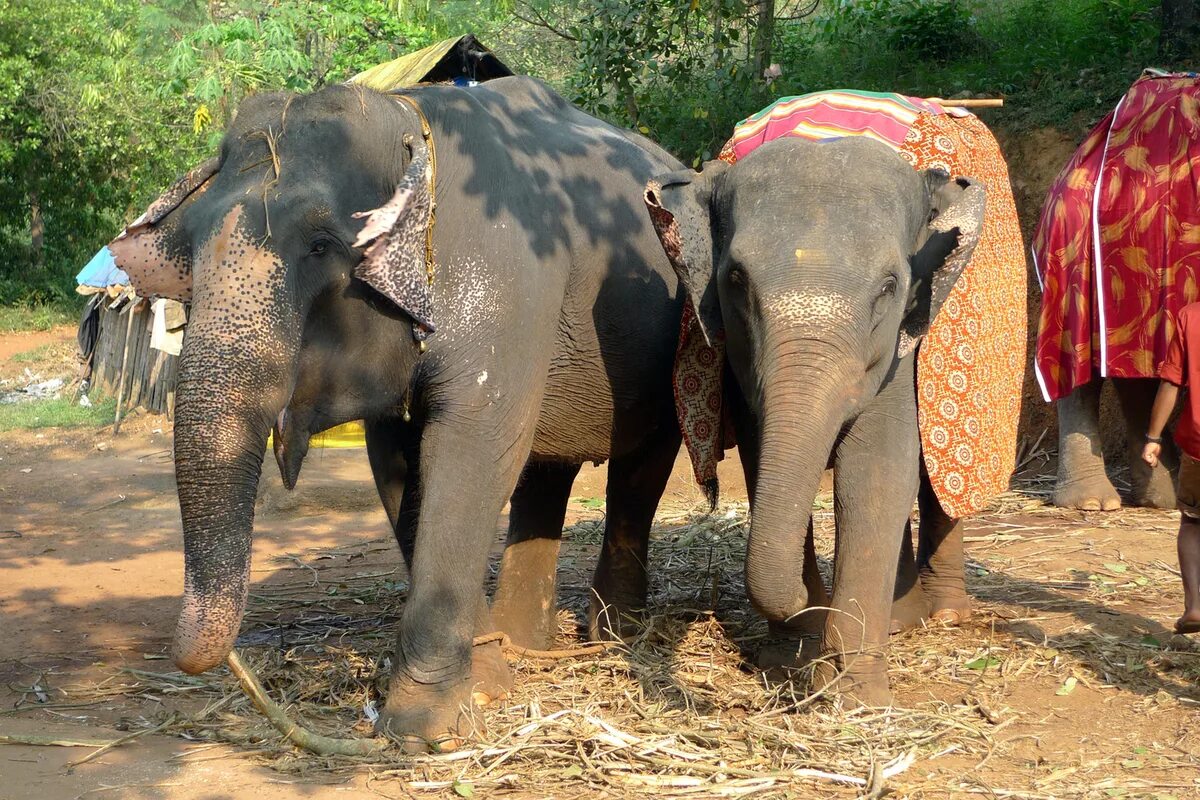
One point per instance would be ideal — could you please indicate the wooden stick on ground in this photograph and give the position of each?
(970, 102)
(51, 741)
(550, 655)
(321, 745)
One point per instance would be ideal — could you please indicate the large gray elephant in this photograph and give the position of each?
(822, 264)
(472, 272)
(1082, 479)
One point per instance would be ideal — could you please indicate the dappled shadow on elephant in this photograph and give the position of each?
(497, 220)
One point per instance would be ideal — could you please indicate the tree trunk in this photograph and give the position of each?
(1179, 34)
(37, 228)
(764, 32)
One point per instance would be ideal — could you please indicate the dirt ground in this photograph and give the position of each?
(1066, 683)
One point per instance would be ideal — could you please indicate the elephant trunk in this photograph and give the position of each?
(218, 459)
(803, 407)
(234, 377)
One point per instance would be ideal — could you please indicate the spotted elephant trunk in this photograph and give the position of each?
(235, 375)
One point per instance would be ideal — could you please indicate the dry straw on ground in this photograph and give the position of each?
(679, 711)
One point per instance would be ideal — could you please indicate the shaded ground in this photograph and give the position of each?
(1066, 684)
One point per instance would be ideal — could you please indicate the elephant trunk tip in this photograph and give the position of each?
(206, 632)
(779, 609)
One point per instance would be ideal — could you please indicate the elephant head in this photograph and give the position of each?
(268, 244)
(821, 266)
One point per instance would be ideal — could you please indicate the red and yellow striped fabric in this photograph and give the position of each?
(971, 365)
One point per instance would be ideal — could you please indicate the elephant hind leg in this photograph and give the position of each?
(636, 482)
(1082, 482)
(1153, 487)
(524, 606)
(940, 559)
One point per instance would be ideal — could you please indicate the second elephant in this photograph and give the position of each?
(821, 265)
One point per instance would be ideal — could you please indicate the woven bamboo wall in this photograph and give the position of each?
(151, 373)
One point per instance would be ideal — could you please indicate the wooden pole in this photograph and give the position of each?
(975, 102)
(124, 364)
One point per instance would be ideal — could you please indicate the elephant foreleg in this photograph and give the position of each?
(636, 482)
(1152, 486)
(467, 473)
(875, 483)
(524, 606)
(1082, 482)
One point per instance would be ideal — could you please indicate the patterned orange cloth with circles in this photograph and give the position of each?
(970, 367)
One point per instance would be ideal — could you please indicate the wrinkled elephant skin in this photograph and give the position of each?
(823, 263)
(540, 336)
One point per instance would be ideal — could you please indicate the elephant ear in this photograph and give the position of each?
(394, 262)
(956, 209)
(680, 207)
(148, 251)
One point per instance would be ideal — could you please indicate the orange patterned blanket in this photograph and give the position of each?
(971, 365)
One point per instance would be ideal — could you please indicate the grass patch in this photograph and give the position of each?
(30, 356)
(62, 412)
(37, 317)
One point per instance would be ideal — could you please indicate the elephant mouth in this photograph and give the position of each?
(290, 443)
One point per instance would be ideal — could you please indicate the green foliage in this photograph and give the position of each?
(104, 102)
(289, 45)
(62, 412)
(682, 70)
(1063, 63)
(676, 70)
(34, 317)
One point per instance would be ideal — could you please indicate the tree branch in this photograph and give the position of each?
(540, 21)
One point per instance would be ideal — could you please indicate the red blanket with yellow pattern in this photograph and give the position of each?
(971, 364)
(1117, 248)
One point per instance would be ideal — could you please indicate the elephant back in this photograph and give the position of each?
(970, 367)
(1117, 247)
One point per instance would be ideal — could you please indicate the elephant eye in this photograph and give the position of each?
(319, 248)
(887, 291)
(737, 276)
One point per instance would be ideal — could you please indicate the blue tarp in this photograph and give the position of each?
(102, 272)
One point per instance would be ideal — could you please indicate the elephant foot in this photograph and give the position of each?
(1087, 494)
(1153, 488)
(618, 601)
(612, 621)
(791, 644)
(529, 618)
(524, 606)
(863, 686)
(440, 717)
(910, 610)
(532, 627)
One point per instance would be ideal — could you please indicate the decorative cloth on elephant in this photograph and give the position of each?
(1117, 248)
(970, 367)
